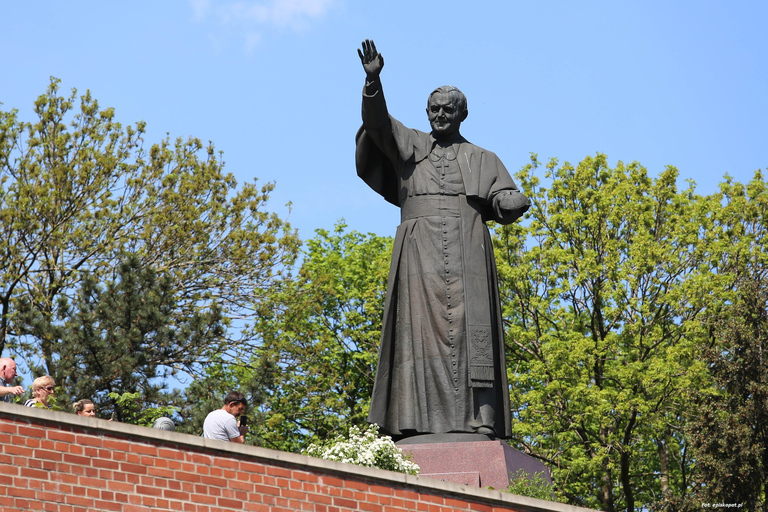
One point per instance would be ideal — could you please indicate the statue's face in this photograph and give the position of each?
(444, 115)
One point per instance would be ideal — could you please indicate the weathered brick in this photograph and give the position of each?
(7, 428)
(166, 453)
(48, 455)
(227, 503)
(370, 507)
(379, 489)
(279, 472)
(148, 491)
(176, 495)
(291, 494)
(81, 501)
(191, 477)
(80, 460)
(33, 473)
(107, 505)
(135, 508)
(33, 442)
(319, 498)
(61, 446)
(450, 502)
(133, 468)
(18, 451)
(61, 435)
(343, 502)
(265, 489)
(203, 499)
(160, 472)
(106, 471)
(31, 431)
(90, 441)
(117, 445)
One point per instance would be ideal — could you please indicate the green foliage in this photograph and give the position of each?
(124, 337)
(79, 193)
(533, 486)
(365, 448)
(730, 430)
(322, 335)
(253, 379)
(134, 412)
(602, 288)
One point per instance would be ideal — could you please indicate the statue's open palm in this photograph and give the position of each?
(371, 59)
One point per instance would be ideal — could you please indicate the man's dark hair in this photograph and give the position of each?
(235, 396)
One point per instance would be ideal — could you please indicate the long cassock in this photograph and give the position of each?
(441, 362)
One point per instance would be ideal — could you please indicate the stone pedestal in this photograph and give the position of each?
(481, 463)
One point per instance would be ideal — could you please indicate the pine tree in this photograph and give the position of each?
(730, 430)
(126, 337)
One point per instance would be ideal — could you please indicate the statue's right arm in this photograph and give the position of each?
(376, 119)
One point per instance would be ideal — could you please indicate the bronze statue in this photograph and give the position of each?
(441, 360)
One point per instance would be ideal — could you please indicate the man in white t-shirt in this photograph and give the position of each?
(222, 423)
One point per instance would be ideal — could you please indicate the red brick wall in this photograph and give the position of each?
(59, 462)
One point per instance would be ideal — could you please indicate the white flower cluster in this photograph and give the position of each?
(365, 449)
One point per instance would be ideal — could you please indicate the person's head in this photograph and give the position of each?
(85, 407)
(7, 369)
(164, 423)
(43, 387)
(446, 110)
(235, 403)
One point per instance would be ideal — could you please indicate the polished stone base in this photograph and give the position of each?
(477, 463)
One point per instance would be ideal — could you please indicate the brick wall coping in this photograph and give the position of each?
(146, 434)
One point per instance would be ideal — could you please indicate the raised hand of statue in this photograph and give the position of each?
(371, 59)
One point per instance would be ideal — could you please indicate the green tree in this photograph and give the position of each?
(730, 430)
(322, 336)
(79, 193)
(728, 425)
(125, 337)
(254, 378)
(603, 288)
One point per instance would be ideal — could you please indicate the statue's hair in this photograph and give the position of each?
(461, 100)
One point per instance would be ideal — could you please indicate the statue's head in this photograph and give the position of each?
(446, 109)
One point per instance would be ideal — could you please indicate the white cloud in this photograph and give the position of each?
(248, 20)
(279, 13)
(200, 8)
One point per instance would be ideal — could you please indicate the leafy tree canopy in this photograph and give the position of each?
(80, 193)
(314, 365)
(608, 288)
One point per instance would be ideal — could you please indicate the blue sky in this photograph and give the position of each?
(276, 84)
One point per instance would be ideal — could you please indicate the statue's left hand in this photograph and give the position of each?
(372, 60)
(512, 202)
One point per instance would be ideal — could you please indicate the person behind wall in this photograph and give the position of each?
(7, 376)
(222, 423)
(164, 423)
(85, 407)
(42, 388)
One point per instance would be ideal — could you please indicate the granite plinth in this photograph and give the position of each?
(481, 463)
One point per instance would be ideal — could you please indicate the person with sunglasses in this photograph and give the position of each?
(42, 388)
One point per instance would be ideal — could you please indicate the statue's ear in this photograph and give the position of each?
(464, 115)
